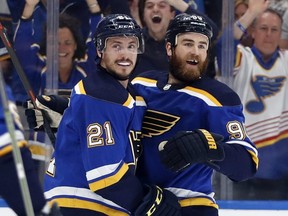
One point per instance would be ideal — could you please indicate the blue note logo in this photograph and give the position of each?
(264, 87)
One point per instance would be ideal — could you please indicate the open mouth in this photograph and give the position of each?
(192, 62)
(62, 54)
(124, 63)
(156, 19)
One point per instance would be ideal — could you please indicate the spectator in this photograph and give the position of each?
(261, 82)
(71, 50)
(187, 106)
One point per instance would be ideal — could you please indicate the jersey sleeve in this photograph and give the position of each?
(241, 155)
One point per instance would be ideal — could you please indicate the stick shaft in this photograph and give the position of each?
(16, 151)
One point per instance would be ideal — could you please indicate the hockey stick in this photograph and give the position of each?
(26, 83)
(15, 150)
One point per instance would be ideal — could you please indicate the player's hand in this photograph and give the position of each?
(158, 202)
(189, 147)
(53, 105)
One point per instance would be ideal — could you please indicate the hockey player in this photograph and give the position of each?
(203, 116)
(92, 169)
(9, 183)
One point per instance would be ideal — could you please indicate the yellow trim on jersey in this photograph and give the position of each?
(238, 58)
(81, 88)
(144, 81)
(197, 201)
(202, 94)
(106, 182)
(140, 101)
(7, 149)
(254, 157)
(84, 204)
(129, 102)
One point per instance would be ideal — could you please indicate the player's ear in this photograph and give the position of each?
(168, 49)
(99, 54)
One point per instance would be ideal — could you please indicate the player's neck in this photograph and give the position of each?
(124, 83)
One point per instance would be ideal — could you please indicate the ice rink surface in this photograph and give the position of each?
(227, 208)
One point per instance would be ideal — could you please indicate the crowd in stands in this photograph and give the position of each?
(260, 73)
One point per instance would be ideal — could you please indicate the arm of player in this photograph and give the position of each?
(189, 147)
(54, 105)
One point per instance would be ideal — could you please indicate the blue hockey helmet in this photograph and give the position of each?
(187, 23)
(114, 25)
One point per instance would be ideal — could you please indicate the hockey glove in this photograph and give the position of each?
(158, 202)
(189, 147)
(54, 105)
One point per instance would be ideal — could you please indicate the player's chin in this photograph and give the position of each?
(124, 74)
(190, 75)
(126, 70)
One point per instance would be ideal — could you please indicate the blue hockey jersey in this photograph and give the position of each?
(204, 104)
(93, 166)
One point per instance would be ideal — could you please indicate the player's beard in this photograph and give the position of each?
(178, 68)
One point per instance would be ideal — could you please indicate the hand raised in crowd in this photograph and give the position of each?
(29, 8)
(93, 6)
(258, 6)
(32, 2)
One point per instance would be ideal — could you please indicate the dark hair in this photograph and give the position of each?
(74, 25)
(141, 6)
